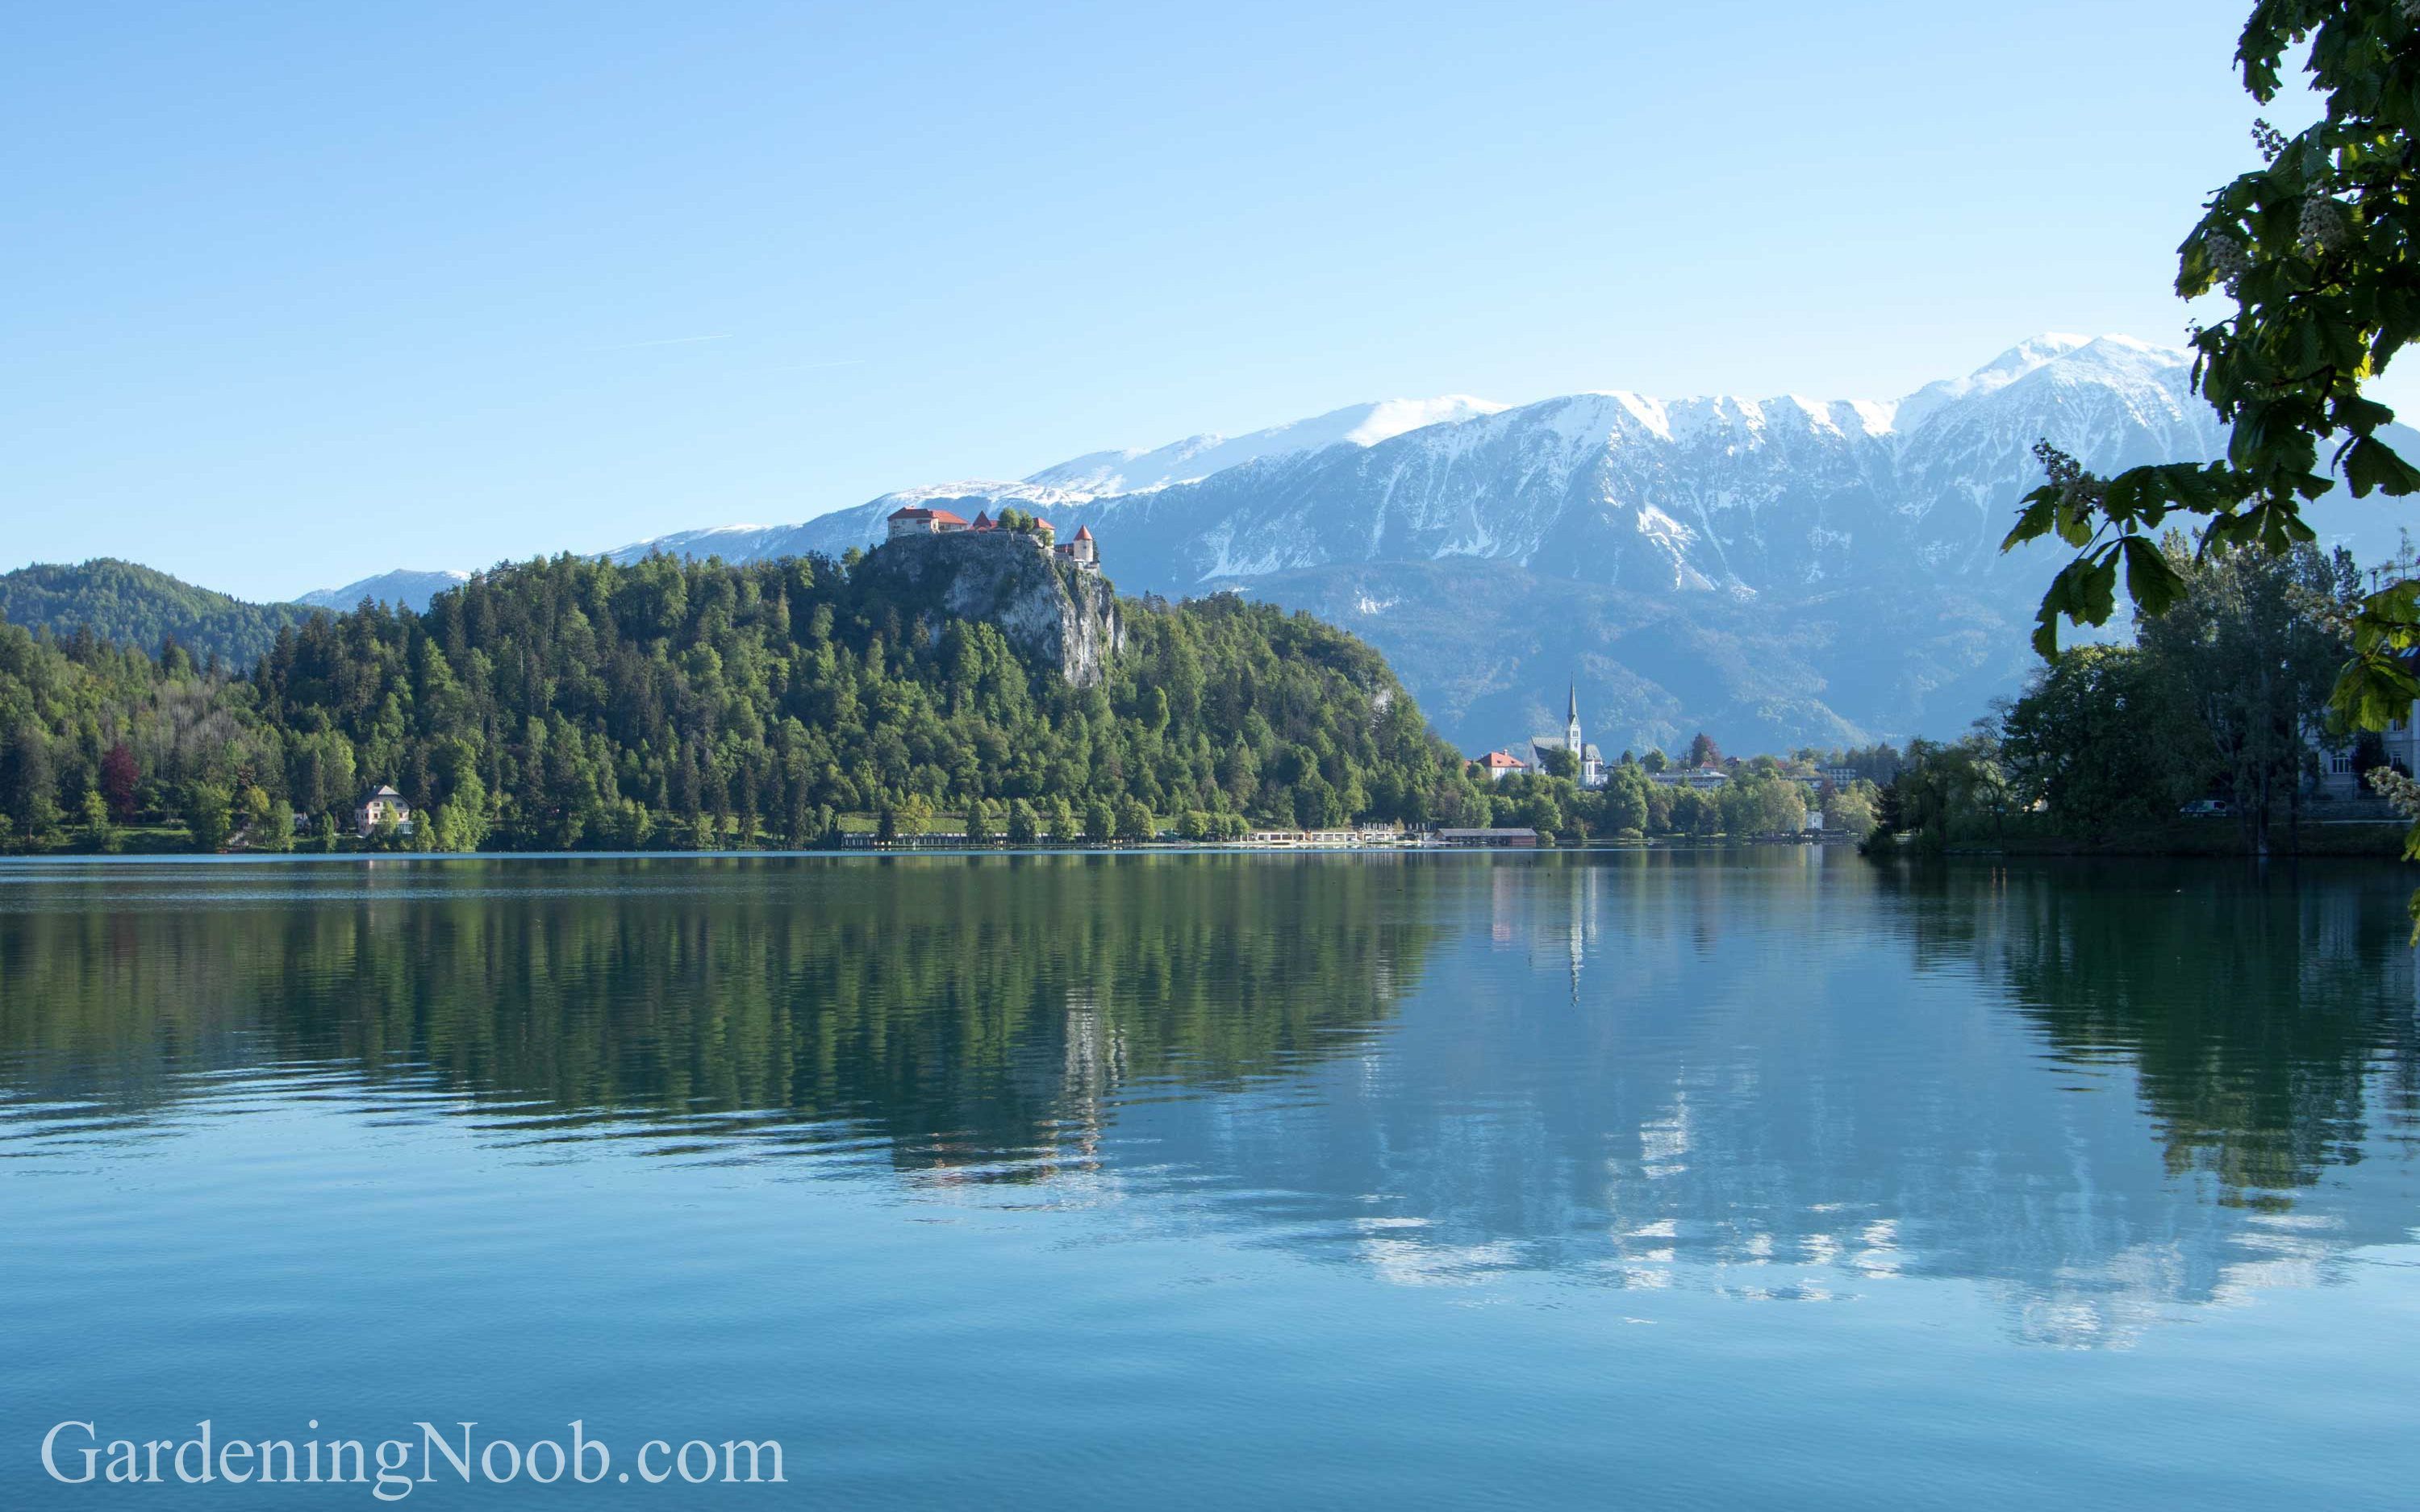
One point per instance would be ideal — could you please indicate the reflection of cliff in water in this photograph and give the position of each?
(963, 1010)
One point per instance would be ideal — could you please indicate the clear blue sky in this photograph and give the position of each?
(298, 293)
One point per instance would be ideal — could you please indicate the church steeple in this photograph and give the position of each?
(1571, 725)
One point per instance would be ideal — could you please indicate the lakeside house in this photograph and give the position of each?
(375, 805)
(1500, 765)
(2341, 766)
(1512, 839)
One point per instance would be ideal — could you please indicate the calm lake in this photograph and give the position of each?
(1721, 1179)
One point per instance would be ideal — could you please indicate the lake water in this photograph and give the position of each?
(1719, 1178)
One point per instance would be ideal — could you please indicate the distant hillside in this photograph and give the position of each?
(1478, 640)
(135, 606)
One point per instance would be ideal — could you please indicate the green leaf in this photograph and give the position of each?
(2035, 519)
(2370, 463)
(2151, 581)
(2100, 590)
(2372, 691)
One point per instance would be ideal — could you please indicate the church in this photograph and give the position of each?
(1591, 772)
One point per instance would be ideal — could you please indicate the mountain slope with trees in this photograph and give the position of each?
(578, 703)
(129, 605)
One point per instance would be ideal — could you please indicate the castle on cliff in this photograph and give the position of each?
(919, 519)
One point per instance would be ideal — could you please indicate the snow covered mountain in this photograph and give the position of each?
(1198, 456)
(1728, 495)
(1093, 476)
(403, 589)
(1774, 570)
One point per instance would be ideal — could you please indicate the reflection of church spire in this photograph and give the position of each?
(1583, 923)
(1095, 1065)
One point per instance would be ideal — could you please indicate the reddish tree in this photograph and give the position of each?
(118, 781)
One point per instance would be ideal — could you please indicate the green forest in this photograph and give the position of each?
(2223, 702)
(129, 605)
(571, 704)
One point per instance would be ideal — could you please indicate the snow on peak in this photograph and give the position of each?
(1198, 456)
(2019, 361)
(1390, 418)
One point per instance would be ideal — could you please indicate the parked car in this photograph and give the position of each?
(2207, 808)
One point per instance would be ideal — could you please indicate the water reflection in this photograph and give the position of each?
(2104, 1093)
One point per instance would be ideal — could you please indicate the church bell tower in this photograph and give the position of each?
(1572, 733)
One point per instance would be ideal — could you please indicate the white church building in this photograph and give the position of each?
(1591, 772)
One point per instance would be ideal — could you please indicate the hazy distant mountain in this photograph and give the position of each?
(130, 604)
(401, 589)
(1771, 570)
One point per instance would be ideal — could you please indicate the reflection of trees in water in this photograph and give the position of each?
(1786, 1076)
(2250, 1008)
(1789, 1073)
(965, 1009)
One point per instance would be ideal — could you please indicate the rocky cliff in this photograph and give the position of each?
(1047, 606)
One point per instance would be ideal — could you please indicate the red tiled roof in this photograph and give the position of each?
(982, 521)
(1043, 525)
(920, 512)
(1496, 760)
(1083, 532)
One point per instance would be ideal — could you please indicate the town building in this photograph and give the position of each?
(1500, 765)
(1591, 763)
(1704, 778)
(2341, 763)
(374, 808)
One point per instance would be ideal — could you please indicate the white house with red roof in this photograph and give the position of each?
(1500, 765)
(916, 519)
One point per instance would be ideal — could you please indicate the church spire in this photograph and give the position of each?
(1572, 738)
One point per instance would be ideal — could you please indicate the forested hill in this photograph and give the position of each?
(135, 606)
(574, 702)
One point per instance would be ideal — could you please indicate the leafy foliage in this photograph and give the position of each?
(2222, 696)
(2316, 248)
(571, 704)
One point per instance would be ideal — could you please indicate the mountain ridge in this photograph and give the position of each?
(1786, 507)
